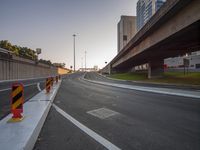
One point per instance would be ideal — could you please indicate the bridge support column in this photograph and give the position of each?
(109, 69)
(155, 69)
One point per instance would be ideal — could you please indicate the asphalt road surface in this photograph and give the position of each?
(30, 89)
(125, 119)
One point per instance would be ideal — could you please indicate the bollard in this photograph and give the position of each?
(56, 79)
(48, 85)
(59, 77)
(52, 81)
(17, 100)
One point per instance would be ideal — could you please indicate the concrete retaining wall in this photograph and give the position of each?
(20, 68)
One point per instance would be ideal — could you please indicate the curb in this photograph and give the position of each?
(166, 91)
(23, 135)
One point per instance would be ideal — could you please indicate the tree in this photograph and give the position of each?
(24, 52)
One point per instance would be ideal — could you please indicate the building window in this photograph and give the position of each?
(124, 37)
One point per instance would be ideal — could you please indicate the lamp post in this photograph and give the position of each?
(38, 51)
(74, 35)
(85, 60)
(82, 64)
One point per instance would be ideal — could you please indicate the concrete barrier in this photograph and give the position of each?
(19, 68)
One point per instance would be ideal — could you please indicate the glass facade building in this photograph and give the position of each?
(145, 10)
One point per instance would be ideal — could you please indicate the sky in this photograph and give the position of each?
(50, 24)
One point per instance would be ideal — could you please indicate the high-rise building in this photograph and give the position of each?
(126, 29)
(146, 9)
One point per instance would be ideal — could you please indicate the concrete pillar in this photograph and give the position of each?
(109, 69)
(155, 68)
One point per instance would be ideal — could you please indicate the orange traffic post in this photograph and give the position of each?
(51, 81)
(48, 85)
(56, 79)
(17, 100)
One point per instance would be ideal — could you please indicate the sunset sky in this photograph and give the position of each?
(50, 24)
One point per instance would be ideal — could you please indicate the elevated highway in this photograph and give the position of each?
(174, 30)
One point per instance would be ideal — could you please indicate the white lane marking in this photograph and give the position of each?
(88, 131)
(102, 113)
(38, 86)
(13, 80)
(2, 90)
(166, 91)
(5, 89)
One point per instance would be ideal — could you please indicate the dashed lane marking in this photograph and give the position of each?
(88, 131)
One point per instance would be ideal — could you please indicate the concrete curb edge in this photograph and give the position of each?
(31, 143)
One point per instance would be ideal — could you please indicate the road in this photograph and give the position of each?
(31, 88)
(125, 119)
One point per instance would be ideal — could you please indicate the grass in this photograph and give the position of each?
(192, 78)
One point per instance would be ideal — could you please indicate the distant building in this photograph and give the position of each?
(126, 29)
(146, 9)
(178, 62)
(94, 69)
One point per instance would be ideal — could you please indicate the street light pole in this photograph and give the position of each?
(82, 64)
(85, 60)
(74, 35)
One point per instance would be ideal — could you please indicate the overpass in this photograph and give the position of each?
(173, 30)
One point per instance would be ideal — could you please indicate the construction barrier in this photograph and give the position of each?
(17, 100)
(48, 85)
(56, 79)
(52, 80)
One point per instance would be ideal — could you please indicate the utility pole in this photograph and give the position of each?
(85, 60)
(82, 64)
(74, 35)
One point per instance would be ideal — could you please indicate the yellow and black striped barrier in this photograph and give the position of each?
(52, 80)
(56, 79)
(48, 85)
(17, 100)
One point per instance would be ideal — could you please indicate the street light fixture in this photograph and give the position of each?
(82, 64)
(85, 60)
(38, 51)
(74, 35)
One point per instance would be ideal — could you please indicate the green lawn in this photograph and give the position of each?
(192, 78)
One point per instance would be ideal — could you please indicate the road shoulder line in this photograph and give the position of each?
(88, 131)
(166, 91)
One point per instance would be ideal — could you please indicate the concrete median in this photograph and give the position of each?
(23, 135)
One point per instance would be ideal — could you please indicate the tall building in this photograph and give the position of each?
(146, 9)
(126, 29)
